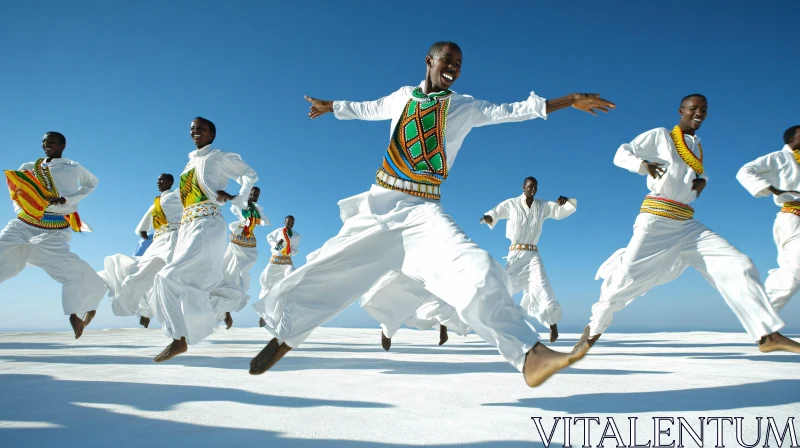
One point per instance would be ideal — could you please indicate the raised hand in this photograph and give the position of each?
(318, 107)
(223, 196)
(562, 200)
(588, 102)
(486, 219)
(655, 169)
(698, 185)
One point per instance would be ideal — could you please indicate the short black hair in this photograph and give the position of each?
(532, 179)
(59, 135)
(288, 216)
(437, 48)
(694, 95)
(256, 188)
(789, 134)
(168, 176)
(210, 124)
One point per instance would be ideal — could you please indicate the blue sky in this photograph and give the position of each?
(122, 81)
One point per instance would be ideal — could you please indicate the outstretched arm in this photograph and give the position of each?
(501, 211)
(586, 102)
(560, 209)
(534, 107)
(381, 109)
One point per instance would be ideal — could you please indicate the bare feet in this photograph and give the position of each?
(88, 317)
(261, 322)
(177, 347)
(443, 334)
(585, 341)
(386, 343)
(144, 321)
(268, 357)
(778, 342)
(553, 333)
(228, 321)
(541, 363)
(77, 325)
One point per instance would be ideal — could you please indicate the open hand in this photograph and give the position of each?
(223, 196)
(698, 185)
(655, 169)
(486, 219)
(562, 200)
(318, 107)
(588, 102)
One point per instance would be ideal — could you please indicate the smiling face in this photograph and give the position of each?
(529, 188)
(53, 145)
(444, 68)
(693, 112)
(201, 133)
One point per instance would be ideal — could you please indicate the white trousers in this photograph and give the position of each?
(20, 243)
(526, 269)
(187, 291)
(784, 282)
(387, 230)
(130, 279)
(238, 261)
(660, 250)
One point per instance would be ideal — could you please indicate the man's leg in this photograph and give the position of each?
(391, 301)
(737, 280)
(538, 299)
(784, 282)
(14, 249)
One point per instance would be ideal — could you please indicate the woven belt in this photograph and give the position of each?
(792, 207)
(524, 247)
(48, 221)
(244, 241)
(281, 259)
(667, 208)
(163, 230)
(200, 210)
(386, 180)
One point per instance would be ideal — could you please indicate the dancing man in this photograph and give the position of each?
(285, 244)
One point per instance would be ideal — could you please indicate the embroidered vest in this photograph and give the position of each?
(191, 192)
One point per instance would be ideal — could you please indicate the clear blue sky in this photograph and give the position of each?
(123, 80)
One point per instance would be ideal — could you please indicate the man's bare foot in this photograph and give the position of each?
(268, 357)
(443, 334)
(77, 325)
(228, 321)
(88, 317)
(553, 333)
(261, 322)
(585, 340)
(778, 342)
(144, 321)
(386, 343)
(541, 363)
(177, 347)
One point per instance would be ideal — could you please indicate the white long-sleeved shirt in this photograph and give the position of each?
(778, 169)
(214, 167)
(173, 209)
(524, 224)
(238, 226)
(73, 181)
(463, 114)
(277, 235)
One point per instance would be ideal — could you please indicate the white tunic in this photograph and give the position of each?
(21, 243)
(239, 259)
(191, 287)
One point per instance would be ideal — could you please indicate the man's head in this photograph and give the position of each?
(529, 187)
(792, 137)
(254, 194)
(165, 182)
(443, 64)
(53, 144)
(288, 222)
(693, 111)
(202, 132)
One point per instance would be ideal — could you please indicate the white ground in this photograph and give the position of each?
(341, 389)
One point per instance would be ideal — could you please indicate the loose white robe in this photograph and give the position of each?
(189, 289)
(661, 248)
(239, 260)
(780, 170)
(274, 273)
(388, 230)
(20, 243)
(525, 267)
(130, 279)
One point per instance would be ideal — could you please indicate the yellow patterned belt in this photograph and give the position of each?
(385, 180)
(792, 207)
(243, 241)
(200, 210)
(667, 208)
(524, 247)
(48, 222)
(163, 230)
(281, 259)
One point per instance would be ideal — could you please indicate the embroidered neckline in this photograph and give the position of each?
(695, 162)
